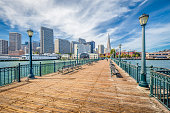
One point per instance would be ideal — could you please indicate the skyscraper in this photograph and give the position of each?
(46, 40)
(62, 46)
(108, 44)
(82, 48)
(14, 41)
(101, 49)
(72, 46)
(82, 41)
(3, 46)
(92, 43)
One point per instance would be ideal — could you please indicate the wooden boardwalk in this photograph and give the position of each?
(89, 90)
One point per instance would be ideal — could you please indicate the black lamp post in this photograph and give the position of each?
(30, 33)
(119, 54)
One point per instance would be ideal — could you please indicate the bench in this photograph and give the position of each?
(89, 63)
(113, 69)
(78, 66)
(66, 68)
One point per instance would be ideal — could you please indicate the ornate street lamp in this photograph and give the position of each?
(119, 53)
(143, 20)
(30, 33)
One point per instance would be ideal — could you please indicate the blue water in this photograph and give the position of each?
(15, 63)
(155, 63)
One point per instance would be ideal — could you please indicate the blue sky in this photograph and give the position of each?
(91, 20)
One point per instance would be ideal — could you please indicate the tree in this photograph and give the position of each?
(36, 52)
(102, 55)
(112, 52)
(133, 55)
(129, 56)
(137, 55)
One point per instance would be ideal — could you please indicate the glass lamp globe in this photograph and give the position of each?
(143, 19)
(30, 32)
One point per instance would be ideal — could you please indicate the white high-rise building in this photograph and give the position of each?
(46, 40)
(101, 49)
(14, 41)
(82, 48)
(3, 46)
(62, 46)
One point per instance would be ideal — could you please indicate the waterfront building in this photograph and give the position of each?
(3, 46)
(92, 43)
(82, 48)
(82, 41)
(101, 49)
(85, 55)
(14, 41)
(162, 54)
(16, 53)
(72, 46)
(62, 46)
(40, 57)
(46, 40)
(93, 56)
(130, 53)
(65, 56)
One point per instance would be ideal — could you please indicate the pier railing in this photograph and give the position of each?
(160, 86)
(158, 78)
(15, 73)
(132, 70)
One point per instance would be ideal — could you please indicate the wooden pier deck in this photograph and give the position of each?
(89, 90)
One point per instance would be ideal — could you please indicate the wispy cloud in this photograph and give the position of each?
(71, 18)
(156, 37)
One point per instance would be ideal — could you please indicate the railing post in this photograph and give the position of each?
(0, 78)
(64, 63)
(40, 68)
(137, 72)
(19, 76)
(129, 68)
(151, 81)
(54, 66)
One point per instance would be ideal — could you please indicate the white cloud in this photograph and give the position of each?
(156, 36)
(76, 18)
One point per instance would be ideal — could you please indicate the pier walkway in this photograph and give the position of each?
(90, 90)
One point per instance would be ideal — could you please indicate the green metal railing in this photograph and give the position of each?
(160, 86)
(158, 78)
(13, 74)
(132, 70)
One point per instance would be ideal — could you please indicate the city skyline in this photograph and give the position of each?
(75, 21)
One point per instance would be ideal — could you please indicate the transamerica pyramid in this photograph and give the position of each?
(108, 44)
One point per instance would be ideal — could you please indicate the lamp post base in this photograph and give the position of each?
(143, 84)
(31, 76)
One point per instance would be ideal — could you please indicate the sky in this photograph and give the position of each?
(91, 20)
